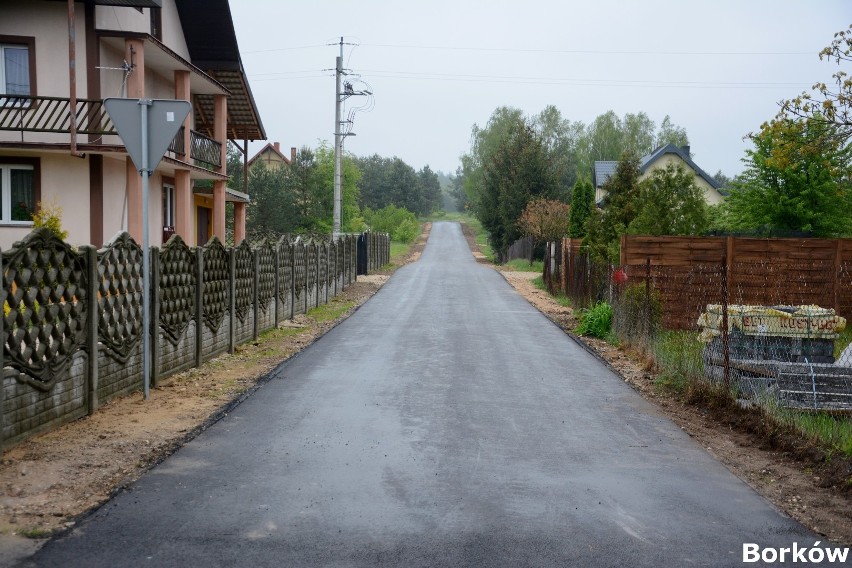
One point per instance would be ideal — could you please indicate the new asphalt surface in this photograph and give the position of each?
(445, 423)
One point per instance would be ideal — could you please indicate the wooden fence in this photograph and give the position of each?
(690, 272)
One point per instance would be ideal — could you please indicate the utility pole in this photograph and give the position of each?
(338, 142)
(340, 95)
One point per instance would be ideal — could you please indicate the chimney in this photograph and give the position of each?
(686, 151)
(277, 147)
(292, 155)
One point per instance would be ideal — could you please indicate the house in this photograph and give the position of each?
(271, 156)
(660, 158)
(56, 56)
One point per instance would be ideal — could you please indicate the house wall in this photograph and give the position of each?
(122, 19)
(34, 19)
(65, 182)
(172, 30)
(711, 194)
(115, 186)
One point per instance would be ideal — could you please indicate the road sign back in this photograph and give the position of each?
(165, 117)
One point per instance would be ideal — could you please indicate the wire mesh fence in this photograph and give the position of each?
(766, 318)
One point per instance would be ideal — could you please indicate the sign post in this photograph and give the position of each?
(147, 127)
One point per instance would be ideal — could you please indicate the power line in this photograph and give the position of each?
(556, 51)
(512, 79)
(587, 51)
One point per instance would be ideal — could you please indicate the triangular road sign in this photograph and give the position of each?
(165, 117)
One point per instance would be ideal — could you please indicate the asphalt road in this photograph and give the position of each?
(446, 423)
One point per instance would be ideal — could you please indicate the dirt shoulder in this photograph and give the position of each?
(52, 480)
(797, 477)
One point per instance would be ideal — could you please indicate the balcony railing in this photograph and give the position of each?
(22, 114)
(53, 114)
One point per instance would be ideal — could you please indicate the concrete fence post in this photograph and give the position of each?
(292, 283)
(155, 316)
(232, 300)
(199, 304)
(276, 283)
(255, 263)
(91, 256)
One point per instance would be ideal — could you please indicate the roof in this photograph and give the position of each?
(603, 170)
(212, 42)
(264, 150)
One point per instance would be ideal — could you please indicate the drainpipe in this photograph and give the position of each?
(72, 75)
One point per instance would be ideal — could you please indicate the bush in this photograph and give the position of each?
(596, 321)
(638, 314)
(49, 215)
(398, 222)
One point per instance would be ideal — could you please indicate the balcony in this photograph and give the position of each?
(53, 115)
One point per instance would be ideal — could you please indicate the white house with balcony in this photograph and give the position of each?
(59, 59)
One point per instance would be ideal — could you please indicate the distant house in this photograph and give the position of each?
(271, 156)
(660, 158)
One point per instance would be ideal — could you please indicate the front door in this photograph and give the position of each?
(202, 218)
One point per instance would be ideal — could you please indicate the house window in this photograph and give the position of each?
(168, 205)
(17, 193)
(15, 69)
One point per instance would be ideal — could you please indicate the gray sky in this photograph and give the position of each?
(718, 68)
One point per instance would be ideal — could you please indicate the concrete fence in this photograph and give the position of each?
(72, 324)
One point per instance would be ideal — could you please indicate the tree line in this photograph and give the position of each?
(516, 159)
(297, 198)
(797, 178)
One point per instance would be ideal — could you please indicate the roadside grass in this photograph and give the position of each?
(521, 265)
(332, 310)
(677, 357)
(560, 298)
(830, 430)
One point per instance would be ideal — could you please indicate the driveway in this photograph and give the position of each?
(446, 423)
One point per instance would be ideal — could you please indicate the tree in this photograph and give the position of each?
(520, 170)
(670, 133)
(272, 210)
(796, 180)
(620, 208)
(429, 189)
(350, 213)
(830, 106)
(582, 202)
(670, 203)
(544, 220)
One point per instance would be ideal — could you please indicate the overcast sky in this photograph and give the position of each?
(718, 68)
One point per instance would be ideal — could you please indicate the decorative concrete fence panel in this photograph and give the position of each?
(285, 280)
(243, 293)
(265, 279)
(300, 278)
(119, 281)
(322, 274)
(48, 309)
(215, 294)
(174, 282)
(311, 282)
